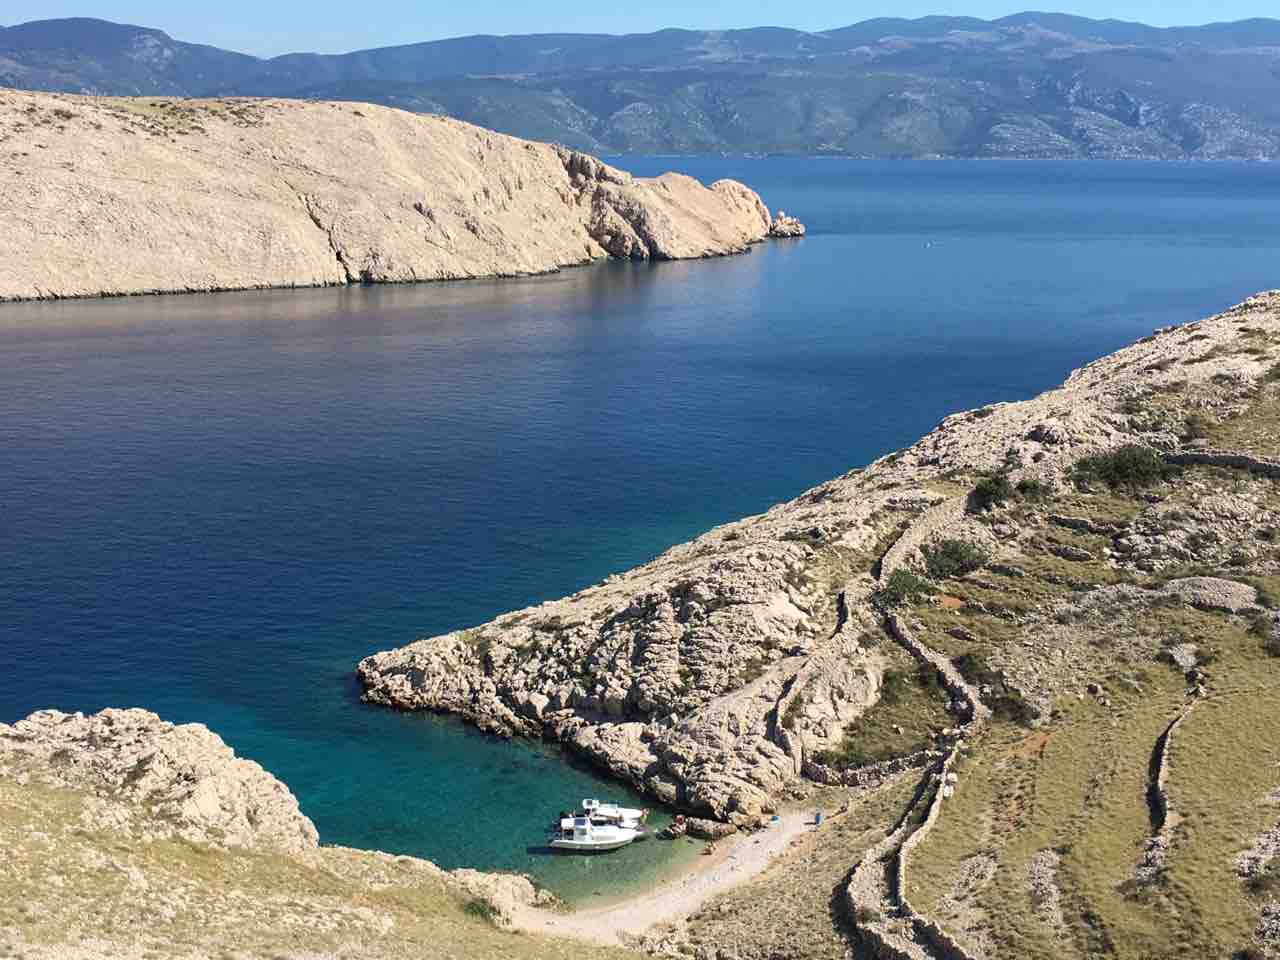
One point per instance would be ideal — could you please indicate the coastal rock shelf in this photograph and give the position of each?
(712, 676)
(115, 196)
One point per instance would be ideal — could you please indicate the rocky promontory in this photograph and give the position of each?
(114, 196)
(717, 676)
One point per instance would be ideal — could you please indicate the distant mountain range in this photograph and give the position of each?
(1028, 85)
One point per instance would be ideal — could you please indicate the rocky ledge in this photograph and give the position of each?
(114, 196)
(713, 675)
(148, 780)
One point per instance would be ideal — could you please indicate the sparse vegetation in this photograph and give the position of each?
(1196, 427)
(953, 558)
(1130, 468)
(991, 490)
(1004, 700)
(912, 705)
(903, 586)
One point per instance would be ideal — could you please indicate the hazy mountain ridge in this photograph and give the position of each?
(1031, 84)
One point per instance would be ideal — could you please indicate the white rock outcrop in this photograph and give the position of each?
(109, 196)
(165, 780)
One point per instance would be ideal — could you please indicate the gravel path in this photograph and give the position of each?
(737, 859)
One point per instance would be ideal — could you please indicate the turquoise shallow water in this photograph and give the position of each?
(213, 506)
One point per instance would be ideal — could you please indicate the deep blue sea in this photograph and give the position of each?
(213, 506)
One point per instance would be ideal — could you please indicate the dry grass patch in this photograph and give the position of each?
(63, 883)
(1078, 787)
(1256, 430)
(1224, 761)
(789, 911)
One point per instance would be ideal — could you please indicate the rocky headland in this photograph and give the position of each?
(115, 196)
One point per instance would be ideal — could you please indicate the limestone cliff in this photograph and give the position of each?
(137, 195)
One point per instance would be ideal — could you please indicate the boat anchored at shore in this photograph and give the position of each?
(582, 835)
(598, 827)
(610, 812)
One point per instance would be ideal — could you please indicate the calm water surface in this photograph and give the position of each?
(213, 506)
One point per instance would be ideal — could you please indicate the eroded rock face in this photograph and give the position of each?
(162, 779)
(712, 676)
(135, 196)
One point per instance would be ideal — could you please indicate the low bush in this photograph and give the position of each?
(1132, 468)
(1029, 488)
(791, 716)
(953, 558)
(902, 587)
(992, 489)
(481, 910)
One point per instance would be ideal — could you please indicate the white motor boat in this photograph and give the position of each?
(609, 812)
(584, 836)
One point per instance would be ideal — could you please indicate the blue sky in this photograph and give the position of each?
(281, 26)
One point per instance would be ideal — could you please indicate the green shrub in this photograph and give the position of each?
(992, 489)
(1272, 375)
(1029, 488)
(953, 558)
(901, 587)
(1132, 468)
(480, 910)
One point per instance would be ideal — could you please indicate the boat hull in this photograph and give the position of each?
(589, 846)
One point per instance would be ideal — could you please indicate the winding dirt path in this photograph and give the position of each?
(736, 860)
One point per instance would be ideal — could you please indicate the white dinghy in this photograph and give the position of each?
(580, 834)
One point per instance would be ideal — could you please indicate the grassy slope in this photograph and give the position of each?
(1078, 786)
(64, 884)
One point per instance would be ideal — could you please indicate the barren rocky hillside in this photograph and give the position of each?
(120, 196)
(1061, 614)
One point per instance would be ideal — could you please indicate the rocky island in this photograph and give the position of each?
(1028, 666)
(116, 196)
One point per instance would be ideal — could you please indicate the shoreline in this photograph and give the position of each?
(365, 284)
(621, 921)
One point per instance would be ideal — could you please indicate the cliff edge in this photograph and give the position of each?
(114, 196)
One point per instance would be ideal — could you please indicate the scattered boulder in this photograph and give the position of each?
(708, 829)
(1070, 552)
